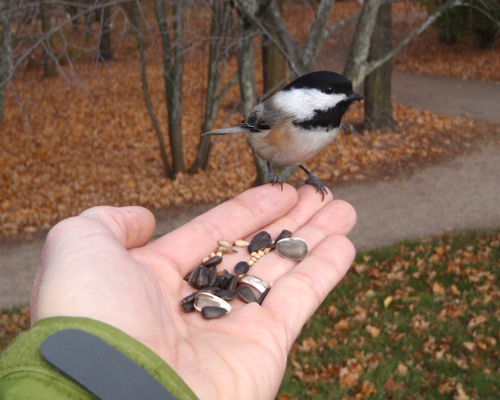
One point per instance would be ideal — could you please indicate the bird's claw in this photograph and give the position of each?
(275, 179)
(312, 180)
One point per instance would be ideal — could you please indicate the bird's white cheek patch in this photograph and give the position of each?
(301, 104)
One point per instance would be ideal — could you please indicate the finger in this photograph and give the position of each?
(297, 295)
(308, 205)
(132, 226)
(232, 220)
(336, 218)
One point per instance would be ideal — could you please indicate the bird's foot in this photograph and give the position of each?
(275, 179)
(314, 181)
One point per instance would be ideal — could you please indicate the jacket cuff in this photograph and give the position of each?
(25, 374)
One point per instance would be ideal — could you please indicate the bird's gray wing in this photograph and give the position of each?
(260, 119)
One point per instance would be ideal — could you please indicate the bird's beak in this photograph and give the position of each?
(355, 96)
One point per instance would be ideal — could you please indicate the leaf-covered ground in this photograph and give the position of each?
(418, 320)
(68, 144)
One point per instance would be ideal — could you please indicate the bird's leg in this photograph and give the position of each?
(273, 178)
(312, 180)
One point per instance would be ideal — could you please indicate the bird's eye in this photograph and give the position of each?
(328, 89)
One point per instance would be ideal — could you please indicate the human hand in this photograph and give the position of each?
(99, 265)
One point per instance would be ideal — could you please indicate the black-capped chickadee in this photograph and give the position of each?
(297, 122)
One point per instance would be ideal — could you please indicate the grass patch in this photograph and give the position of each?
(416, 320)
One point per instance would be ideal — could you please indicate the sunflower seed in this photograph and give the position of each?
(233, 283)
(210, 289)
(246, 294)
(210, 312)
(215, 260)
(292, 248)
(212, 276)
(255, 282)
(263, 296)
(241, 268)
(193, 277)
(227, 295)
(203, 277)
(189, 298)
(223, 280)
(260, 241)
(283, 235)
(203, 300)
(188, 307)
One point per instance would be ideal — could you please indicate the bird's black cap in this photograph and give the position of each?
(319, 80)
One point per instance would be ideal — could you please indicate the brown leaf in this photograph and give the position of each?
(387, 301)
(342, 326)
(437, 288)
(308, 344)
(477, 321)
(373, 331)
(402, 369)
(392, 386)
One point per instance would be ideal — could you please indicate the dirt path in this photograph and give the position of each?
(461, 194)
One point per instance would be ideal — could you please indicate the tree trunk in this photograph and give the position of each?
(273, 62)
(173, 62)
(377, 87)
(49, 60)
(140, 43)
(355, 67)
(105, 52)
(219, 33)
(5, 50)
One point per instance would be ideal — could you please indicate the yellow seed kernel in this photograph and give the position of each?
(253, 253)
(219, 253)
(205, 259)
(251, 262)
(254, 259)
(260, 253)
(212, 255)
(267, 250)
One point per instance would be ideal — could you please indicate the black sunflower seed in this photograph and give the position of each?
(202, 280)
(212, 261)
(188, 307)
(260, 241)
(241, 268)
(283, 235)
(189, 298)
(210, 289)
(212, 277)
(223, 280)
(227, 295)
(233, 283)
(246, 294)
(210, 312)
(193, 277)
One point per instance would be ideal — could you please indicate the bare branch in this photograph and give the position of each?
(417, 31)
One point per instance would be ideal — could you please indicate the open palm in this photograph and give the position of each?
(100, 265)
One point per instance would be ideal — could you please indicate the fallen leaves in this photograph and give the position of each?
(94, 143)
(442, 333)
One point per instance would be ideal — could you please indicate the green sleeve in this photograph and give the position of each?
(24, 374)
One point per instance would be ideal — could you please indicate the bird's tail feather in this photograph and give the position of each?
(232, 129)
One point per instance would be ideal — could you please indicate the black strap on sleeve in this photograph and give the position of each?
(100, 368)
